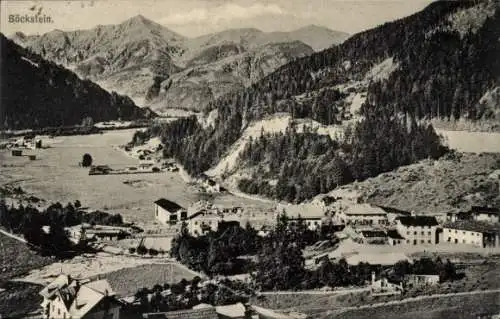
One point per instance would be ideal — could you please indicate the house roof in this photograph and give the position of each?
(231, 311)
(269, 313)
(392, 233)
(377, 259)
(168, 205)
(418, 220)
(394, 210)
(78, 299)
(485, 209)
(305, 211)
(373, 233)
(472, 225)
(364, 209)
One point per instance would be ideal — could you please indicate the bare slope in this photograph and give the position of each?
(436, 186)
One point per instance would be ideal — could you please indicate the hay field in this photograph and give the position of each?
(56, 176)
(126, 282)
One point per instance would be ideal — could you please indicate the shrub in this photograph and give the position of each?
(153, 252)
(155, 169)
(141, 250)
(131, 250)
(86, 160)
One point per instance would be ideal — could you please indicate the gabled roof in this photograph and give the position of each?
(485, 209)
(418, 220)
(305, 210)
(394, 210)
(373, 233)
(78, 299)
(231, 311)
(364, 209)
(168, 205)
(392, 233)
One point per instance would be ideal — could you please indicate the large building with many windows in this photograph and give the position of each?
(418, 230)
(470, 232)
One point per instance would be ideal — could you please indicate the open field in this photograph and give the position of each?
(85, 266)
(457, 307)
(56, 176)
(474, 142)
(126, 282)
(17, 259)
(16, 294)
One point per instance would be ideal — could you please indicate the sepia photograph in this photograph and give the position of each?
(250, 159)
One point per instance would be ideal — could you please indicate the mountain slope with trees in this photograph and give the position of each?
(394, 107)
(36, 93)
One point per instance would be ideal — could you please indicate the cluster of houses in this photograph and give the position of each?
(364, 223)
(70, 298)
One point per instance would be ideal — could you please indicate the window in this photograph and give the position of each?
(429, 233)
(59, 311)
(429, 241)
(407, 241)
(196, 222)
(407, 233)
(422, 233)
(414, 233)
(422, 241)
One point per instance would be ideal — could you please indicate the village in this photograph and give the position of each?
(343, 228)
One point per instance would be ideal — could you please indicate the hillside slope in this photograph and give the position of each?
(385, 83)
(36, 93)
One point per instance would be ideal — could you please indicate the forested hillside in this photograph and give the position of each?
(426, 80)
(36, 93)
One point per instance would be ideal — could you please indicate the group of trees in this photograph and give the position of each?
(217, 252)
(29, 222)
(184, 295)
(306, 164)
(427, 266)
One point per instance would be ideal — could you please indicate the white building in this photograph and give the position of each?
(383, 286)
(470, 232)
(168, 212)
(418, 230)
(203, 222)
(313, 214)
(362, 214)
(66, 298)
(420, 280)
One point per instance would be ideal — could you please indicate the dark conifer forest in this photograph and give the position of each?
(36, 93)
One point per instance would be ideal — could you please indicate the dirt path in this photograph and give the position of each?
(6, 233)
(316, 292)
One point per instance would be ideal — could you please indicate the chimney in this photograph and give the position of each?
(373, 277)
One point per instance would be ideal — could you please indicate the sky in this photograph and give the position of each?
(197, 17)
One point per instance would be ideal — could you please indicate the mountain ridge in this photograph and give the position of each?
(131, 56)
